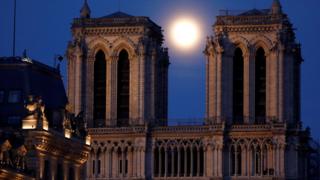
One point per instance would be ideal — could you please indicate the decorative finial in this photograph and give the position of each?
(276, 7)
(85, 10)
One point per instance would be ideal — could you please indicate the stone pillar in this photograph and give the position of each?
(215, 161)
(40, 169)
(77, 174)
(130, 162)
(244, 161)
(219, 87)
(78, 82)
(160, 162)
(65, 170)
(141, 85)
(166, 162)
(114, 85)
(89, 91)
(281, 84)
(172, 162)
(219, 160)
(114, 172)
(135, 162)
(282, 154)
(143, 162)
(108, 163)
(53, 167)
(211, 85)
(109, 90)
(249, 164)
(198, 162)
(247, 110)
(123, 160)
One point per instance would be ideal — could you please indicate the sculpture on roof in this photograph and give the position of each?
(35, 118)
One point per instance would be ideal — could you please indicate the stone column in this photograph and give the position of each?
(219, 160)
(89, 91)
(198, 162)
(160, 162)
(108, 163)
(143, 162)
(142, 56)
(78, 82)
(65, 170)
(123, 164)
(130, 162)
(97, 168)
(219, 87)
(211, 85)
(76, 168)
(114, 85)
(109, 89)
(172, 162)
(247, 111)
(135, 162)
(40, 169)
(282, 154)
(244, 161)
(281, 84)
(114, 172)
(166, 162)
(249, 161)
(53, 167)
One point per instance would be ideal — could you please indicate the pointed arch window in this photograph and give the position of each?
(99, 89)
(260, 86)
(123, 89)
(238, 86)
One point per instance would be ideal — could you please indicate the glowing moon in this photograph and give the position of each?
(185, 33)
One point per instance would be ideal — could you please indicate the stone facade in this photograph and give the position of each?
(252, 129)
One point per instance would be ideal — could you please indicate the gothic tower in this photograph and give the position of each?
(253, 68)
(117, 70)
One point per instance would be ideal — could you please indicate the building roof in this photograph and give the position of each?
(35, 78)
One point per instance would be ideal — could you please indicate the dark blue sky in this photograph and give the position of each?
(43, 28)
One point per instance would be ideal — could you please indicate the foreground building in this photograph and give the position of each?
(39, 138)
(117, 75)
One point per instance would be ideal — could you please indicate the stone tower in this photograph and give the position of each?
(253, 68)
(117, 70)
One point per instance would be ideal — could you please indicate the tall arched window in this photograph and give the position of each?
(238, 86)
(123, 89)
(99, 89)
(260, 86)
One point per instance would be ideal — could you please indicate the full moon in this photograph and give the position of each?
(185, 33)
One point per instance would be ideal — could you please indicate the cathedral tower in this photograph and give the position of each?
(117, 70)
(253, 68)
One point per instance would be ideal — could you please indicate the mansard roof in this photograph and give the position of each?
(32, 78)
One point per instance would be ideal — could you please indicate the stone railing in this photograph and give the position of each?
(243, 20)
(120, 130)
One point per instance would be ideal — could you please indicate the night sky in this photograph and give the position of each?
(43, 28)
